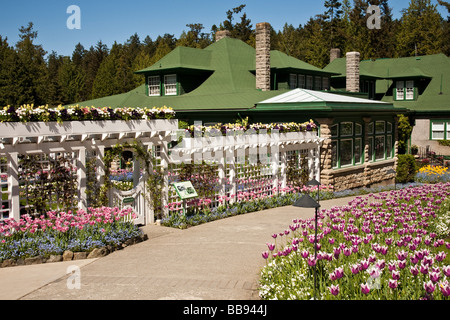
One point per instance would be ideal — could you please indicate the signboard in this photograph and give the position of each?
(185, 190)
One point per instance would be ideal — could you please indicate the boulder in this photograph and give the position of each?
(33, 260)
(55, 258)
(80, 255)
(98, 253)
(67, 255)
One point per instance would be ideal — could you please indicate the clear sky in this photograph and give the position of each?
(117, 20)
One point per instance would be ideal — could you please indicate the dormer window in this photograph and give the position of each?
(154, 86)
(170, 85)
(404, 90)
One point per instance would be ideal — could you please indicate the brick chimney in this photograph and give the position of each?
(334, 54)
(352, 69)
(263, 56)
(222, 34)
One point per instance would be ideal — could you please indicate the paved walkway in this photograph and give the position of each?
(220, 260)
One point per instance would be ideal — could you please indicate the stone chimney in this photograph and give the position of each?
(334, 54)
(352, 69)
(222, 34)
(263, 56)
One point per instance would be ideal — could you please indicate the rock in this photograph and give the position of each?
(67, 255)
(33, 260)
(55, 258)
(98, 253)
(8, 263)
(79, 255)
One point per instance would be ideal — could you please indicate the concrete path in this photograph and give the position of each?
(220, 260)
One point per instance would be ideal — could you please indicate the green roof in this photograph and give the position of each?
(432, 68)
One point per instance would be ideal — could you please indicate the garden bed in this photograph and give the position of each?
(60, 236)
(392, 245)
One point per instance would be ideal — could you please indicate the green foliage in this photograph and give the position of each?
(406, 168)
(404, 132)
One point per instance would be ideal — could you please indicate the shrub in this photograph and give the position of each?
(406, 168)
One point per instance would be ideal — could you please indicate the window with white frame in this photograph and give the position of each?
(170, 84)
(404, 90)
(438, 130)
(154, 84)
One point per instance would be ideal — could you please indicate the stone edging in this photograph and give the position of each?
(69, 255)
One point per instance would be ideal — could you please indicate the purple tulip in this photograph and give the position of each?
(365, 288)
(402, 264)
(435, 276)
(347, 251)
(445, 288)
(271, 246)
(423, 269)
(311, 261)
(334, 289)
(402, 255)
(396, 275)
(265, 254)
(393, 284)
(441, 256)
(392, 266)
(305, 254)
(429, 287)
(414, 270)
(355, 269)
(446, 270)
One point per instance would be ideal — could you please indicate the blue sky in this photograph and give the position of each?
(117, 20)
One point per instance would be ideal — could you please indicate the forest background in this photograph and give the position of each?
(31, 75)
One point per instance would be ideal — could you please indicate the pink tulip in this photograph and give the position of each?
(429, 287)
(393, 283)
(334, 289)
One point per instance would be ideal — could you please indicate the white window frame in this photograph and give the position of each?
(170, 85)
(409, 90)
(400, 90)
(438, 127)
(154, 86)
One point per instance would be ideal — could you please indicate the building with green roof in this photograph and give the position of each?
(420, 84)
(231, 80)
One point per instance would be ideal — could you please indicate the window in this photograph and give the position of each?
(380, 140)
(301, 81)
(317, 83)
(292, 81)
(346, 144)
(440, 130)
(154, 86)
(404, 90)
(170, 84)
(309, 82)
(325, 83)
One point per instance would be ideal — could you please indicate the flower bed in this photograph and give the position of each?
(433, 174)
(30, 113)
(57, 232)
(393, 245)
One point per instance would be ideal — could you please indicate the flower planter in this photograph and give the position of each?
(34, 129)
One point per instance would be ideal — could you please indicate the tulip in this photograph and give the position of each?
(393, 283)
(396, 275)
(414, 270)
(334, 289)
(429, 287)
(365, 289)
(446, 270)
(445, 288)
(434, 276)
(265, 254)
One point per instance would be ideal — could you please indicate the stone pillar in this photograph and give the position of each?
(352, 70)
(334, 54)
(326, 166)
(263, 56)
(222, 34)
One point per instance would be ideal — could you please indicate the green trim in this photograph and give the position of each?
(338, 138)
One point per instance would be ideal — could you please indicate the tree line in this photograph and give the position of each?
(28, 74)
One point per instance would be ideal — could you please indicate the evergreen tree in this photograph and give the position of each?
(241, 30)
(31, 72)
(194, 38)
(420, 31)
(9, 89)
(54, 89)
(446, 28)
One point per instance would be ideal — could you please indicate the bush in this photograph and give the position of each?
(406, 168)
